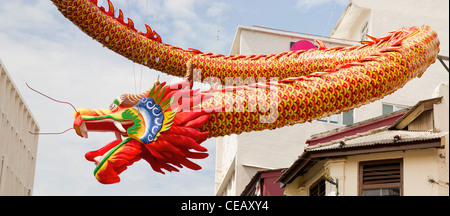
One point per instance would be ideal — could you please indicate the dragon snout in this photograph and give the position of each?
(79, 125)
(89, 112)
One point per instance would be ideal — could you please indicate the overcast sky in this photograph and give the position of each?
(39, 46)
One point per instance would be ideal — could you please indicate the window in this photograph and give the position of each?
(381, 178)
(257, 189)
(318, 188)
(364, 31)
(344, 118)
(388, 108)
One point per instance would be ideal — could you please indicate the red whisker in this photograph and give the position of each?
(51, 98)
(50, 133)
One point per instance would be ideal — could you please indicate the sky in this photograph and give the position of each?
(40, 47)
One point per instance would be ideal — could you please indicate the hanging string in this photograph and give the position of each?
(220, 19)
(329, 19)
(132, 54)
(142, 67)
(137, 91)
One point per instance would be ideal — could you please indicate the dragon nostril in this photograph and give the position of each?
(77, 114)
(83, 111)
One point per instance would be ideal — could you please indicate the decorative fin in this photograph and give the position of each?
(120, 17)
(131, 24)
(110, 9)
(321, 45)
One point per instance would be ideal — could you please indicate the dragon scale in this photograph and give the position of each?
(309, 85)
(404, 55)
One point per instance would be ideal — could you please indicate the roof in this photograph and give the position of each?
(374, 141)
(414, 112)
(382, 139)
(362, 126)
(380, 136)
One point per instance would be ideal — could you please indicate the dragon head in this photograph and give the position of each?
(152, 125)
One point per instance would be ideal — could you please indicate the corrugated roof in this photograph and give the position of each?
(415, 111)
(373, 141)
(380, 136)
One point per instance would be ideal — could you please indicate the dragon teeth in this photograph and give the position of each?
(83, 129)
(119, 127)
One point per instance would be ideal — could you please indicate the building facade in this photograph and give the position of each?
(262, 184)
(240, 157)
(18, 148)
(408, 157)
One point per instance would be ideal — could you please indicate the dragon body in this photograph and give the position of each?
(166, 125)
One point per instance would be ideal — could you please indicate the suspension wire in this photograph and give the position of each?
(219, 19)
(132, 53)
(137, 91)
(329, 19)
(142, 67)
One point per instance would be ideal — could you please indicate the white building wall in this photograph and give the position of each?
(260, 40)
(418, 167)
(385, 16)
(18, 148)
(441, 111)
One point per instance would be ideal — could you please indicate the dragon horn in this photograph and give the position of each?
(129, 100)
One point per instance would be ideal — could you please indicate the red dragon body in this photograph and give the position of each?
(310, 85)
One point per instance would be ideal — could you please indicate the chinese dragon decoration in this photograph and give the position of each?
(166, 124)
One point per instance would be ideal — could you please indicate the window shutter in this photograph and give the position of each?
(381, 173)
(381, 178)
(318, 188)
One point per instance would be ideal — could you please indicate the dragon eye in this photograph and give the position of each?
(113, 106)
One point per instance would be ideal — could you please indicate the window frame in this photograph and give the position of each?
(395, 108)
(319, 182)
(362, 187)
(340, 118)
